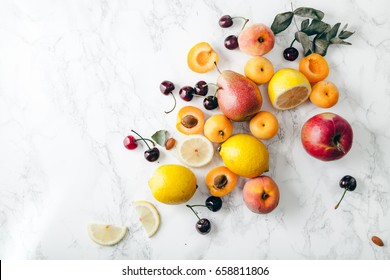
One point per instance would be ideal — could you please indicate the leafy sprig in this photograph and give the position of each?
(315, 35)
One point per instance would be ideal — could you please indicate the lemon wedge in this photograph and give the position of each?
(288, 88)
(106, 235)
(148, 216)
(195, 150)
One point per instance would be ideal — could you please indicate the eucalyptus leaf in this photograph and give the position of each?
(321, 46)
(305, 42)
(305, 23)
(309, 12)
(345, 34)
(333, 32)
(160, 137)
(316, 27)
(339, 41)
(345, 27)
(281, 22)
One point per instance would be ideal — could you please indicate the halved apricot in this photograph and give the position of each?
(190, 120)
(221, 181)
(314, 67)
(201, 58)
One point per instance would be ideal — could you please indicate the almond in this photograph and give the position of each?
(170, 143)
(377, 241)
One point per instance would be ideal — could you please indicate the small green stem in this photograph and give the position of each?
(340, 199)
(239, 17)
(173, 106)
(216, 66)
(295, 22)
(246, 21)
(196, 214)
(196, 205)
(292, 43)
(143, 139)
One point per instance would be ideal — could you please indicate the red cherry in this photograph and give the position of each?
(130, 143)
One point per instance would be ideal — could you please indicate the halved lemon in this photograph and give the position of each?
(195, 150)
(106, 235)
(288, 88)
(148, 216)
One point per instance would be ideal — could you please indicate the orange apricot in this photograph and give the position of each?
(264, 125)
(324, 94)
(218, 128)
(221, 181)
(202, 58)
(190, 120)
(314, 67)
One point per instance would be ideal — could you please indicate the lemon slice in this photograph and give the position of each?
(288, 88)
(195, 150)
(148, 215)
(106, 235)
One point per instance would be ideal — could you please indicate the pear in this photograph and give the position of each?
(238, 97)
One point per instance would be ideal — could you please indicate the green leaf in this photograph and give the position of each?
(281, 22)
(160, 137)
(339, 41)
(345, 34)
(321, 46)
(305, 42)
(316, 27)
(305, 23)
(333, 32)
(309, 12)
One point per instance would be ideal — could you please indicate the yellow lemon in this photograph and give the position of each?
(288, 88)
(173, 184)
(245, 155)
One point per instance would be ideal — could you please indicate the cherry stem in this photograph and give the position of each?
(196, 205)
(340, 199)
(246, 21)
(215, 63)
(239, 17)
(174, 106)
(143, 139)
(292, 43)
(196, 214)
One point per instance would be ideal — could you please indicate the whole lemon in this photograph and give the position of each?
(172, 184)
(245, 155)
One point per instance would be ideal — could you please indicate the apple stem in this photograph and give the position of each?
(144, 139)
(340, 148)
(340, 199)
(215, 63)
(196, 214)
(174, 106)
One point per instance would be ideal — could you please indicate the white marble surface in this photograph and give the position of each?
(76, 76)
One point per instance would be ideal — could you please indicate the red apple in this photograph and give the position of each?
(261, 194)
(327, 136)
(257, 39)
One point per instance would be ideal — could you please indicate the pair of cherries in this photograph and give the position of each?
(231, 41)
(151, 154)
(214, 204)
